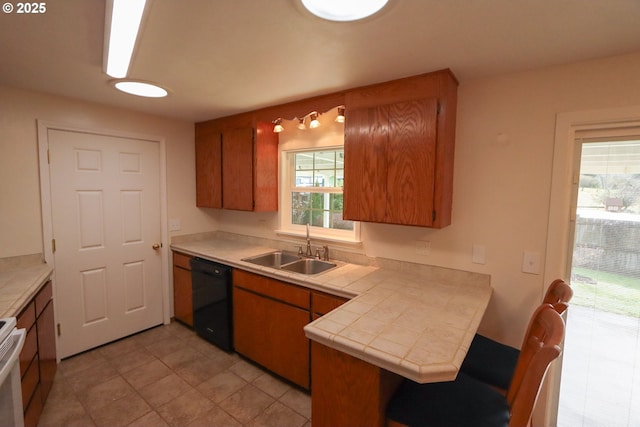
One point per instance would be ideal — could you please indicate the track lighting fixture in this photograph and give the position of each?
(278, 125)
(312, 117)
(314, 123)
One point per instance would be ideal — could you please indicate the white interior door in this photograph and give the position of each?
(105, 198)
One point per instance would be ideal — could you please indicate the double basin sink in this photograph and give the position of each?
(281, 260)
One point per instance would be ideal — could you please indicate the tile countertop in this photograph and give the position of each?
(18, 286)
(398, 319)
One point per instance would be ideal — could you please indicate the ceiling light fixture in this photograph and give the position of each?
(314, 123)
(123, 18)
(140, 88)
(340, 116)
(278, 125)
(343, 10)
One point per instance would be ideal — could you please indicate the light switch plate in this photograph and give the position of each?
(174, 224)
(479, 254)
(531, 262)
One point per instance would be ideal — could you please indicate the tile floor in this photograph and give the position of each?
(600, 384)
(168, 376)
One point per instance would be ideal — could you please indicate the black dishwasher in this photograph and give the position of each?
(212, 309)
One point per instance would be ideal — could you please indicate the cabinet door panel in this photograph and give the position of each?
(33, 411)
(411, 157)
(208, 171)
(323, 303)
(365, 148)
(29, 350)
(30, 381)
(47, 349)
(182, 296)
(271, 334)
(182, 260)
(237, 169)
(390, 161)
(265, 167)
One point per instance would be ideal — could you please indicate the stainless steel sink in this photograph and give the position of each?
(282, 260)
(273, 259)
(308, 266)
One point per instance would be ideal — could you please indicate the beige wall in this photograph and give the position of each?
(20, 218)
(504, 155)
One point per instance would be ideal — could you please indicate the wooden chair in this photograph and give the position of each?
(469, 402)
(494, 363)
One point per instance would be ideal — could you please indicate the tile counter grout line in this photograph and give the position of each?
(139, 381)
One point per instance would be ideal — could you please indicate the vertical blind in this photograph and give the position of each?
(600, 383)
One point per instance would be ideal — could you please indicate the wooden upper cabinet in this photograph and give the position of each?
(237, 167)
(399, 149)
(208, 170)
(390, 163)
(399, 153)
(265, 168)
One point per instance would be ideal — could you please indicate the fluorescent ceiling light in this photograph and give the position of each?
(140, 89)
(343, 10)
(122, 22)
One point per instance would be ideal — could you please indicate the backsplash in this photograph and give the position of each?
(424, 271)
(17, 262)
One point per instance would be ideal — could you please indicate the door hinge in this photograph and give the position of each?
(48, 156)
(433, 216)
(53, 245)
(58, 327)
(438, 108)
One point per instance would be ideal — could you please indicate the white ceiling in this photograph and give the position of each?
(219, 57)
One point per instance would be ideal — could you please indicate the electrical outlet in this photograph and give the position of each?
(423, 247)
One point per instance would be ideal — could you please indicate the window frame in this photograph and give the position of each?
(287, 187)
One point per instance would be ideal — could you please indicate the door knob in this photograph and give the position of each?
(156, 246)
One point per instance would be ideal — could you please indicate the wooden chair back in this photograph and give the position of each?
(558, 294)
(540, 347)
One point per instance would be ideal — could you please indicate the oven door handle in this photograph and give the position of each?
(18, 337)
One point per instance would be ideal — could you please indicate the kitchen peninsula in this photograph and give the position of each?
(402, 320)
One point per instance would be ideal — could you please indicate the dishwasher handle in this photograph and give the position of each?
(210, 268)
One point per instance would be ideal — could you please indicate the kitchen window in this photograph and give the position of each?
(312, 194)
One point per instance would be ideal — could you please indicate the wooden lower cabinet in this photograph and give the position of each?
(322, 303)
(47, 349)
(269, 318)
(268, 321)
(38, 356)
(271, 334)
(348, 391)
(182, 291)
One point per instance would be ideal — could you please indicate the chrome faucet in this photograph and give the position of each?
(309, 253)
(325, 252)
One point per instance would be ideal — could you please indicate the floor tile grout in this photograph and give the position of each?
(98, 388)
